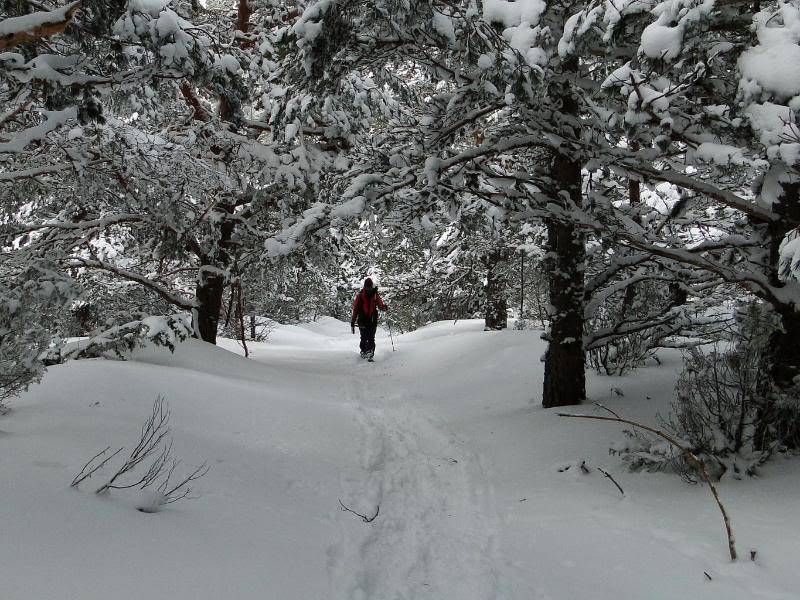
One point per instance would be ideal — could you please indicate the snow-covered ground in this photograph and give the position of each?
(446, 435)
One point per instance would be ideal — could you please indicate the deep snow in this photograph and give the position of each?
(445, 434)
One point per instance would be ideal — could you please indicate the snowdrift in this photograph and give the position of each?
(446, 435)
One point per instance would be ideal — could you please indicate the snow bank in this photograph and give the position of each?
(445, 435)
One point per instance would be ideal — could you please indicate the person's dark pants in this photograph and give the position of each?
(368, 336)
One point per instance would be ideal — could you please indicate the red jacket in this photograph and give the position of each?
(364, 308)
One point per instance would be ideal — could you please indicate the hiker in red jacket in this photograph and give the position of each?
(365, 313)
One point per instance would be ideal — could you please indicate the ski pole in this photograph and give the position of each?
(389, 323)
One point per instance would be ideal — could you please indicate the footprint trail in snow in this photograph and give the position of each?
(433, 536)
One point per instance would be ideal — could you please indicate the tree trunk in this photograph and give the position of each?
(634, 199)
(564, 363)
(784, 349)
(209, 292)
(212, 277)
(784, 346)
(243, 16)
(522, 286)
(496, 307)
(564, 370)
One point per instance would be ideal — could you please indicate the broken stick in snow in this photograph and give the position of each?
(701, 468)
(614, 481)
(364, 518)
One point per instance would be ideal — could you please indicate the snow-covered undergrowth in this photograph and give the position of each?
(441, 434)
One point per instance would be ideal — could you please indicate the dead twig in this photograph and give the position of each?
(688, 453)
(364, 518)
(152, 459)
(614, 481)
(181, 489)
(154, 432)
(84, 474)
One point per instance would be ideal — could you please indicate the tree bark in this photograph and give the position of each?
(496, 307)
(564, 364)
(634, 199)
(784, 345)
(784, 350)
(564, 368)
(20, 30)
(212, 278)
(209, 292)
(243, 13)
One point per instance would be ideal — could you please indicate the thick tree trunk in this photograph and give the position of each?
(209, 292)
(564, 370)
(496, 308)
(784, 346)
(212, 278)
(243, 16)
(784, 351)
(564, 363)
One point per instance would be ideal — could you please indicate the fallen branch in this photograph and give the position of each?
(364, 518)
(688, 453)
(614, 481)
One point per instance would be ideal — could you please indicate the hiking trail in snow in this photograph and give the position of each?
(446, 435)
(433, 537)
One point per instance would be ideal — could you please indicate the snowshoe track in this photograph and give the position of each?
(432, 538)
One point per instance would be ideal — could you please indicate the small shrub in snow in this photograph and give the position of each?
(726, 410)
(30, 295)
(679, 446)
(122, 339)
(620, 354)
(149, 467)
(523, 324)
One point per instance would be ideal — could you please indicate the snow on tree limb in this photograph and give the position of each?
(53, 120)
(166, 294)
(99, 223)
(35, 172)
(754, 211)
(28, 28)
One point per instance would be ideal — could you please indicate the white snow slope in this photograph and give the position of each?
(445, 435)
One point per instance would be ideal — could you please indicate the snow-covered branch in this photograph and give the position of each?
(756, 212)
(35, 172)
(99, 223)
(53, 120)
(166, 294)
(28, 28)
